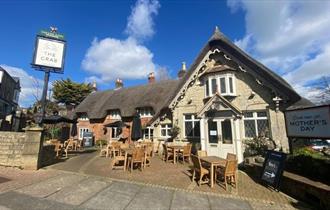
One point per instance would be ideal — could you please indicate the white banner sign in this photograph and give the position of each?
(49, 53)
(311, 122)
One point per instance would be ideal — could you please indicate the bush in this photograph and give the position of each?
(101, 142)
(257, 146)
(309, 163)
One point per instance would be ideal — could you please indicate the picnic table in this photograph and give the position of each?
(214, 161)
(175, 149)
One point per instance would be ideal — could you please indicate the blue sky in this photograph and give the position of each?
(129, 39)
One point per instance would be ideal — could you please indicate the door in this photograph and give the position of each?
(220, 137)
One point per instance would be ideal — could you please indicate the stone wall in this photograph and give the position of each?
(21, 149)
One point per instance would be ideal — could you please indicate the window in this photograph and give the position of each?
(165, 130)
(16, 95)
(83, 117)
(146, 112)
(223, 84)
(148, 133)
(115, 132)
(191, 126)
(82, 131)
(115, 114)
(227, 137)
(256, 124)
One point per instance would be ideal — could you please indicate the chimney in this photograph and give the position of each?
(151, 78)
(119, 84)
(183, 70)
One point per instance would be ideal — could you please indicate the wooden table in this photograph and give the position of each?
(214, 161)
(175, 148)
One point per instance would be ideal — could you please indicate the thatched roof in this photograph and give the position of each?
(127, 100)
(258, 70)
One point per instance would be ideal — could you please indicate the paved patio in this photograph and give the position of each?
(175, 177)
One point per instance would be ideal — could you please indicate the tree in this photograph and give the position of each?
(51, 107)
(69, 92)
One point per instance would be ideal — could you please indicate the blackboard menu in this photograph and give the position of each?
(273, 168)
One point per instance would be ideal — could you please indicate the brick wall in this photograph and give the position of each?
(21, 149)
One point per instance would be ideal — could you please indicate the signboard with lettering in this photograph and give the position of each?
(49, 52)
(313, 122)
(273, 168)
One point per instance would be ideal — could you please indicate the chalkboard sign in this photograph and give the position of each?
(273, 168)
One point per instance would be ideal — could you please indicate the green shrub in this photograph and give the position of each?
(101, 142)
(309, 163)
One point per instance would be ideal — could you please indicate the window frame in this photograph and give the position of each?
(193, 119)
(83, 117)
(255, 118)
(149, 136)
(209, 88)
(82, 130)
(146, 112)
(114, 130)
(115, 114)
(167, 128)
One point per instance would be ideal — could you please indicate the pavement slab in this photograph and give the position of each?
(228, 203)
(80, 192)
(18, 201)
(152, 198)
(183, 200)
(117, 196)
(50, 186)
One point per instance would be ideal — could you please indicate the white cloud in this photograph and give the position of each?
(291, 37)
(110, 58)
(140, 24)
(31, 87)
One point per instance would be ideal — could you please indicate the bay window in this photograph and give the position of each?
(256, 124)
(115, 114)
(191, 126)
(82, 131)
(146, 112)
(224, 84)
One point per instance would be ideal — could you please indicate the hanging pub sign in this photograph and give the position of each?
(49, 52)
(312, 122)
(273, 168)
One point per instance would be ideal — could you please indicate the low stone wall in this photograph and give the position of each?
(21, 149)
(299, 187)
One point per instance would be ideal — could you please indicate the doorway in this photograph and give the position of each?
(220, 137)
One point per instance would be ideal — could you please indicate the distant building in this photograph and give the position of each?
(9, 94)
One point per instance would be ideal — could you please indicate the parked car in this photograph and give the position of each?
(318, 144)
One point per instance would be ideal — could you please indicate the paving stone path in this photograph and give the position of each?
(74, 191)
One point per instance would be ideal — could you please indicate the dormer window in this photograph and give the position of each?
(115, 114)
(146, 112)
(224, 84)
(83, 117)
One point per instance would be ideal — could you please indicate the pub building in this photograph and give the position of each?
(225, 97)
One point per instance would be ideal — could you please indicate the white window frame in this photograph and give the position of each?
(255, 118)
(82, 131)
(166, 128)
(146, 112)
(115, 114)
(114, 130)
(217, 77)
(83, 117)
(148, 136)
(193, 120)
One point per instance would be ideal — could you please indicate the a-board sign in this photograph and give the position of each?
(312, 122)
(49, 52)
(273, 168)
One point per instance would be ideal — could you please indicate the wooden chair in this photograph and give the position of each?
(58, 149)
(186, 153)
(229, 173)
(105, 150)
(114, 148)
(138, 157)
(69, 146)
(148, 154)
(121, 157)
(167, 154)
(199, 169)
(201, 153)
(231, 156)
